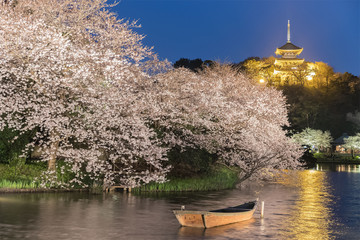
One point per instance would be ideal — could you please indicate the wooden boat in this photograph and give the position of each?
(214, 218)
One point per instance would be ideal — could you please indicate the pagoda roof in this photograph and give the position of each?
(289, 46)
(289, 59)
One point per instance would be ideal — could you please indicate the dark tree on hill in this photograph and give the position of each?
(194, 65)
(240, 65)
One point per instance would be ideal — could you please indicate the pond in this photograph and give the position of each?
(323, 203)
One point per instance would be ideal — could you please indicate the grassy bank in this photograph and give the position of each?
(19, 175)
(217, 179)
(336, 158)
(24, 177)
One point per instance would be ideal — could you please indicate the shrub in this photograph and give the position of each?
(190, 162)
(9, 148)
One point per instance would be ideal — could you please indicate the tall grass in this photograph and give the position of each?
(220, 178)
(19, 175)
(22, 172)
(18, 184)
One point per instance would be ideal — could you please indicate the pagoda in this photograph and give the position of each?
(289, 52)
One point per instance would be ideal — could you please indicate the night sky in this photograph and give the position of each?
(231, 31)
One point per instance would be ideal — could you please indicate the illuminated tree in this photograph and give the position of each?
(324, 74)
(353, 143)
(302, 74)
(316, 139)
(260, 69)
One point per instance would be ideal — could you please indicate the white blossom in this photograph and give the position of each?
(72, 71)
(225, 113)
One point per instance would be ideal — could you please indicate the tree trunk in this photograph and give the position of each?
(52, 161)
(52, 164)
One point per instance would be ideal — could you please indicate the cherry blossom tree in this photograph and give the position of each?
(353, 143)
(75, 73)
(100, 101)
(314, 138)
(225, 113)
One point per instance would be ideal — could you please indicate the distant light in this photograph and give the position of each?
(309, 78)
(275, 71)
(261, 80)
(312, 73)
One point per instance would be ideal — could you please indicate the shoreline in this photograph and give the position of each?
(339, 161)
(39, 190)
(218, 178)
(145, 188)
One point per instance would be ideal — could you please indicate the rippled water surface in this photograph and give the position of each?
(314, 204)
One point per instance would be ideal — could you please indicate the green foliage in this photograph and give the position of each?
(17, 174)
(18, 184)
(216, 179)
(9, 148)
(338, 158)
(319, 156)
(64, 173)
(63, 177)
(190, 162)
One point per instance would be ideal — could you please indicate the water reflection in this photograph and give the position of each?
(311, 217)
(223, 231)
(338, 167)
(310, 204)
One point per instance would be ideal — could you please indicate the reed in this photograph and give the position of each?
(21, 172)
(18, 184)
(221, 178)
(20, 176)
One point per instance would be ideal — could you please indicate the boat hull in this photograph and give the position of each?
(190, 218)
(209, 219)
(214, 220)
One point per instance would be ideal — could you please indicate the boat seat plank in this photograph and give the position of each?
(231, 210)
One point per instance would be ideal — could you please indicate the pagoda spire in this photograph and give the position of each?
(288, 32)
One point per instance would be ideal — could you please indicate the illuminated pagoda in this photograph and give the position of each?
(288, 61)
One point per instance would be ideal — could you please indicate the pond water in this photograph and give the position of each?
(323, 203)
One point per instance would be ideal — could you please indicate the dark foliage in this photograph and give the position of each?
(308, 160)
(190, 162)
(324, 108)
(194, 65)
(9, 149)
(240, 65)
